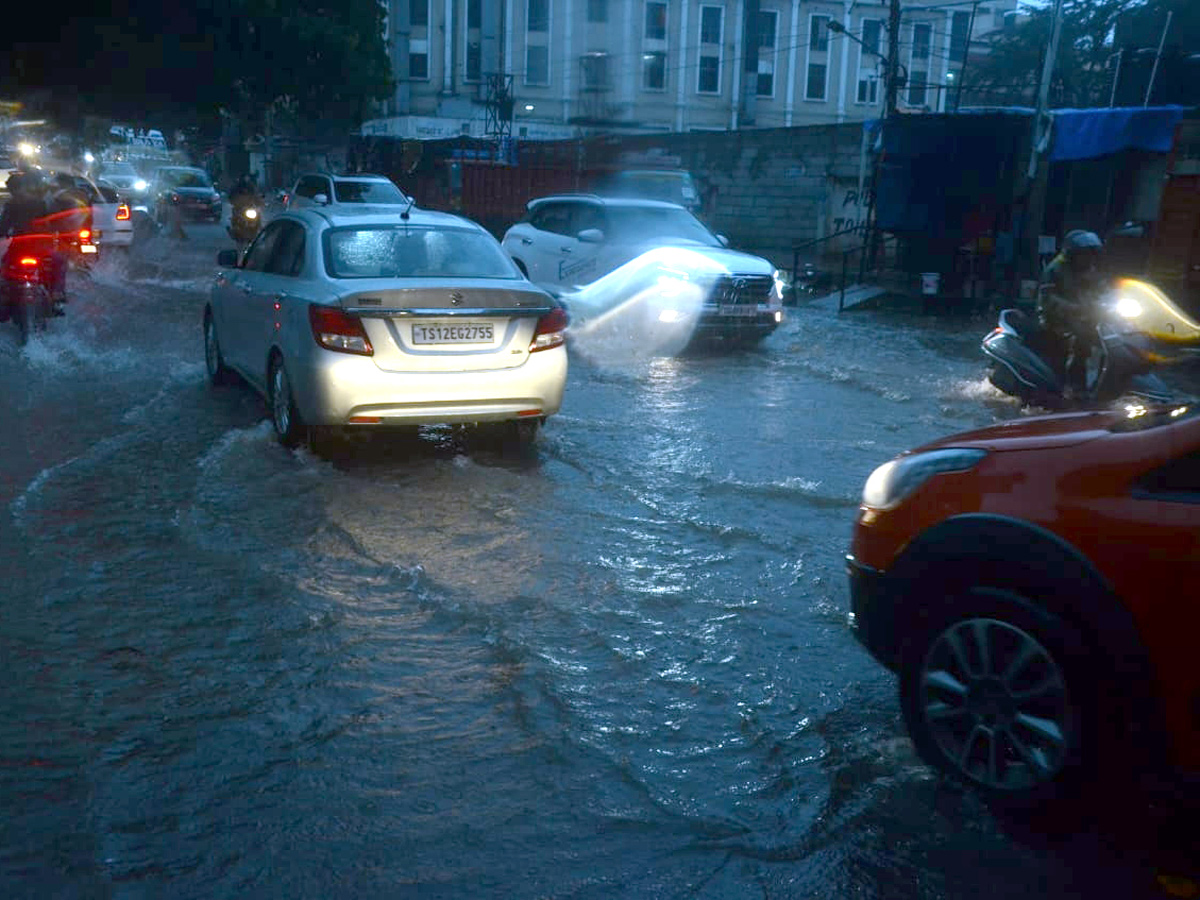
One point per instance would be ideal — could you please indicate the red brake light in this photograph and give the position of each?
(84, 234)
(122, 212)
(29, 260)
(335, 329)
(549, 332)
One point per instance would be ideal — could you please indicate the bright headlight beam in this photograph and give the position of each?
(1128, 308)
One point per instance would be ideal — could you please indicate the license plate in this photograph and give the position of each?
(453, 333)
(739, 310)
(87, 248)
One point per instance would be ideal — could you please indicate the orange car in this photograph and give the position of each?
(1036, 586)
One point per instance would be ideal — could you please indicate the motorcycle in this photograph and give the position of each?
(1025, 363)
(27, 277)
(246, 220)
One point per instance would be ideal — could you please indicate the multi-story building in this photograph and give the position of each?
(572, 67)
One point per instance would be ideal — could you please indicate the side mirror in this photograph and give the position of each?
(228, 259)
(591, 236)
(321, 199)
(724, 240)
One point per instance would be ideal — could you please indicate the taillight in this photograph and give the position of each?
(22, 268)
(84, 234)
(28, 261)
(550, 330)
(122, 212)
(335, 329)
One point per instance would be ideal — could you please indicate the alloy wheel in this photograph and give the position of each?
(995, 702)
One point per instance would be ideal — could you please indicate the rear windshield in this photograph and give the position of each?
(120, 170)
(186, 179)
(107, 192)
(401, 251)
(367, 192)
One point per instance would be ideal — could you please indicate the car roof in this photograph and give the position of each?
(347, 176)
(604, 201)
(333, 217)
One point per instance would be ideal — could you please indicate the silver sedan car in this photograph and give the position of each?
(410, 318)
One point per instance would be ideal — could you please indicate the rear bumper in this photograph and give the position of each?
(872, 610)
(330, 388)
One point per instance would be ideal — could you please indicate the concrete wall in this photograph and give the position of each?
(766, 189)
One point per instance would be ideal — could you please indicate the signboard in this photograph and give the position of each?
(847, 211)
(139, 138)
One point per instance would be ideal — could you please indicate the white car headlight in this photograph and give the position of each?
(895, 480)
(140, 185)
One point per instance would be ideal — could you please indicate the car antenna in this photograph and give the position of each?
(411, 201)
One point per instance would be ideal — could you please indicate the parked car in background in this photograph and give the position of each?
(345, 192)
(670, 185)
(1033, 584)
(366, 321)
(571, 242)
(184, 191)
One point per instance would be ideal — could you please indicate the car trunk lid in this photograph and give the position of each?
(433, 326)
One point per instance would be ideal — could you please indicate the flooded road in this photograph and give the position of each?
(616, 665)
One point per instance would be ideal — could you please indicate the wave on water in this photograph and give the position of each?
(215, 455)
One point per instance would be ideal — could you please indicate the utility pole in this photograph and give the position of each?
(893, 60)
(1039, 170)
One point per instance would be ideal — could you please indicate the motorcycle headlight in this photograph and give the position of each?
(888, 485)
(250, 213)
(1128, 308)
(140, 185)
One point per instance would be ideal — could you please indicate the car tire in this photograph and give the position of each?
(214, 361)
(996, 692)
(285, 417)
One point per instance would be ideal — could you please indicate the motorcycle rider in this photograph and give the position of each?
(25, 211)
(243, 196)
(1069, 303)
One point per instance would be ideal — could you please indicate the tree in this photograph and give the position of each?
(1008, 74)
(149, 60)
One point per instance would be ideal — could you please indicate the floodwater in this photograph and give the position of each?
(616, 665)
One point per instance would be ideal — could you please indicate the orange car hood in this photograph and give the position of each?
(1060, 430)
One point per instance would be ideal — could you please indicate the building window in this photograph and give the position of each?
(920, 40)
(537, 65)
(916, 88)
(768, 25)
(960, 26)
(871, 29)
(473, 59)
(708, 69)
(594, 68)
(538, 16)
(656, 21)
(418, 60)
(418, 13)
(814, 89)
(868, 62)
(818, 34)
(654, 70)
(597, 10)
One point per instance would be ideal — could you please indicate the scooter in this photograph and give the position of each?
(27, 277)
(1020, 351)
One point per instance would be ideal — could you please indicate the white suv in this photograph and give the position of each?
(345, 192)
(595, 251)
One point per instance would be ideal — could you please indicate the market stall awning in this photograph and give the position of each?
(1092, 133)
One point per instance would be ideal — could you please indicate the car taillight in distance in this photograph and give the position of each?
(335, 329)
(122, 212)
(550, 331)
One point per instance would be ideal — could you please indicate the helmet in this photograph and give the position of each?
(1082, 249)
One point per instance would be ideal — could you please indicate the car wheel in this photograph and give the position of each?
(289, 426)
(214, 361)
(994, 693)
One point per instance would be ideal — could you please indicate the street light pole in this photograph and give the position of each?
(893, 57)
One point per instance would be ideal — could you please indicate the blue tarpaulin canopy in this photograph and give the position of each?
(1091, 133)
